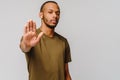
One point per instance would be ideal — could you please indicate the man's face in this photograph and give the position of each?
(51, 15)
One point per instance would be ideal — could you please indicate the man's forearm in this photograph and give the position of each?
(24, 48)
(68, 77)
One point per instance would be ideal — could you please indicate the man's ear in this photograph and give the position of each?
(41, 15)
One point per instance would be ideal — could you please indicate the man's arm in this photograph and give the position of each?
(23, 47)
(67, 74)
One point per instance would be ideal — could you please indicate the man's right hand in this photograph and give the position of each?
(30, 38)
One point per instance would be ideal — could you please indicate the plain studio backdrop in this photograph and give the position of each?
(92, 28)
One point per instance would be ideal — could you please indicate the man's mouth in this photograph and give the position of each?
(54, 21)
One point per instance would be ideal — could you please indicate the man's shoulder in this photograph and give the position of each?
(61, 37)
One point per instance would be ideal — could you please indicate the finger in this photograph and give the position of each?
(31, 25)
(39, 36)
(28, 26)
(25, 29)
(34, 27)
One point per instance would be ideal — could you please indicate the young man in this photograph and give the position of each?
(47, 53)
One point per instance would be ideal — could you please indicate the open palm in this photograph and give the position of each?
(30, 37)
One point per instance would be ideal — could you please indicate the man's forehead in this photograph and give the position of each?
(51, 6)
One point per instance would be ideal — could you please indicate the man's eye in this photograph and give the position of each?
(50, 12)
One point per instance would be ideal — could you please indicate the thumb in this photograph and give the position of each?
(39, 36)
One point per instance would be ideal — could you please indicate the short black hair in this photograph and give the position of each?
(41, 9)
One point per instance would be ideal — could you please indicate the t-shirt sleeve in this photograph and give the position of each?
(67, 52)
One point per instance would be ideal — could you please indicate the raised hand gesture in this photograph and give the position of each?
(30, 38)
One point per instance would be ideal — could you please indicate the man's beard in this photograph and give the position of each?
(48, 25)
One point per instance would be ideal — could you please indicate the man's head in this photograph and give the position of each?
(50, 14)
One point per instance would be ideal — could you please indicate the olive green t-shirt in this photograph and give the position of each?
(47, 59)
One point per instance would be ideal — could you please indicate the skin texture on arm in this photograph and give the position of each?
(67, 74)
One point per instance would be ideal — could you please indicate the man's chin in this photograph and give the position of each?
(51, 26)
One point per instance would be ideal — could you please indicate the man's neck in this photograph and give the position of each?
(47, 31)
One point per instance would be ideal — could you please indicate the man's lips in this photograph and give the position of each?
(54, 21)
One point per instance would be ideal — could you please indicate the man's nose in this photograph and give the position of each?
(54, 15)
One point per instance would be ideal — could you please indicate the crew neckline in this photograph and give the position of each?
(39, 30)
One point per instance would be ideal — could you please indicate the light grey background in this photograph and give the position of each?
(92, 28)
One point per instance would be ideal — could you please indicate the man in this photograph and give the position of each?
(47, 53)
